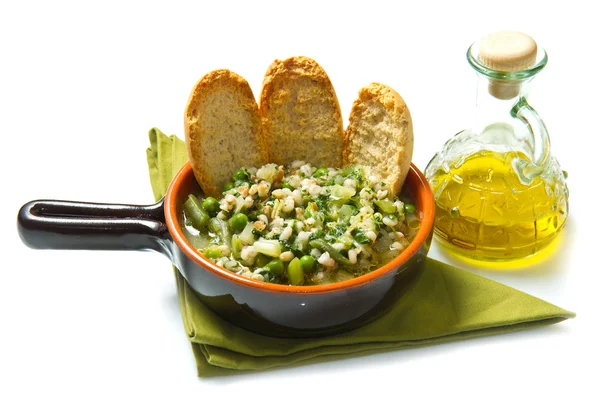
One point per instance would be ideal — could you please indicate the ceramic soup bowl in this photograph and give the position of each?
(266, 308)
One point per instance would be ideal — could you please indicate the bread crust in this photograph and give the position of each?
(299, 118)
(223, 129)
(380, 134)
(301, 114)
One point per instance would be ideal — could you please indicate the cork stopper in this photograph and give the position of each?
(507, 51)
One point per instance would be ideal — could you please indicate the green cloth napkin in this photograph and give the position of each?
(446, 304)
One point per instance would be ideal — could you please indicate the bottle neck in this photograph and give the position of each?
(505, 122)
(494, 123)
(495, 100)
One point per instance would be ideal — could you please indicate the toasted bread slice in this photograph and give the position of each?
(223, 130)
(301, 114)
(380, 134)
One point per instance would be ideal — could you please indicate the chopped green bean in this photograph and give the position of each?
(320, 244)
(295, 272)
(236, 245)
(218, 226)
(195, 212)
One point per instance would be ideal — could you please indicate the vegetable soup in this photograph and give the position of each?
(301, 225)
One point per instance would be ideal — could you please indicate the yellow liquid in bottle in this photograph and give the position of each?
(484, 211)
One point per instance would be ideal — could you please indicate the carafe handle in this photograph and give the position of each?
(539, 137)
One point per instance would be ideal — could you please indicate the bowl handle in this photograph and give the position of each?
(56, 224)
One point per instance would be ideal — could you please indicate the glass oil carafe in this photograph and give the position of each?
(500, 195)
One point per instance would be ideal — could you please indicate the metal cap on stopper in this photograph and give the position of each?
(507, 51)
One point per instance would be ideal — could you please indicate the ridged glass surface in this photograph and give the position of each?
(484, 211)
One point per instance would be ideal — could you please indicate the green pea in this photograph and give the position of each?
(308, 263)
(228, 186)
(409, 208)
(286, 185)
(275, 266)
(238, 222)
(321, 172)
(240, 175)
(261, 260)
(211, 205)
(295, 272)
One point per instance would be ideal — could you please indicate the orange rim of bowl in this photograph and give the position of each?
(422, 195)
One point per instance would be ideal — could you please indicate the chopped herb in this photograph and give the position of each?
(318, 234)
(293, 247)
(354, 172)
(321, 201)
(339, 229)
(268, 275)
(256, 232)
(359, 235)
(377, 220)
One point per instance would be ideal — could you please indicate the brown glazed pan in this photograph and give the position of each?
(267, 308)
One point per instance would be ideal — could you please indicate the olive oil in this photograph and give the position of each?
(484, 210)
(500, 194)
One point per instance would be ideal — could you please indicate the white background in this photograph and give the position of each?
(81, 84)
